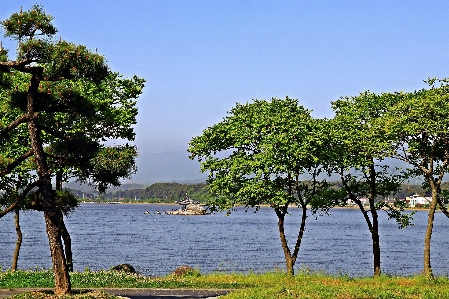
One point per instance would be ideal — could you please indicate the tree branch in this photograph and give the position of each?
(17, 65)
(19, 199)
(14, 124)
(443, 208)
(17, 162)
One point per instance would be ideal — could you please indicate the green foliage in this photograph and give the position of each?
(28, 24)
(397, 213)
(257, 155)
(359, 143)
(62, 104)
(268, 145)
(112, 164)
(80, 104)
(420, 121)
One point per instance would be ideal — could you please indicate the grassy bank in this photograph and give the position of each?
(268, 285)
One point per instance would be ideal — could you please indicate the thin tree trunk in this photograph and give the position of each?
(62, 278)
(428, 236)
(376, 244)
(59, 180)
(67, 243)
(64, 232)
(288, 258)
(15, 256)
(373, 227)
(375, 221)
(300, 234)
(373, 224)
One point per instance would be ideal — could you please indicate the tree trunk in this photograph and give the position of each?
(15, 256)
(300, 234)
(375, 220)
(373, 227)
(428, 236)
(376, 244)
(290, 259)
(67, 243)
(64, 232)
(59, 180)
(373, 223)
(62, 278)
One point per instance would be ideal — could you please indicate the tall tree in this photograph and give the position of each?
(420, 120)
(357, 149)
(71, 101)
(260, 154)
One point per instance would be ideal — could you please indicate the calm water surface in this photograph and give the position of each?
(106, 235)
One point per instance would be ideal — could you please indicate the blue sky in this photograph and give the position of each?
(201, 57)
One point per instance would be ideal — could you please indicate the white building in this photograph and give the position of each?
(415, 200)
(363, 200)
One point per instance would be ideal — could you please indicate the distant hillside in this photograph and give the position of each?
(164, 191)
(176, 171)
(90, 189)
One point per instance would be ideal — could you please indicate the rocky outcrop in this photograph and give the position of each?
(190, 209)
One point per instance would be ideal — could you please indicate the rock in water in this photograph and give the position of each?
(188, 207)
(197, 209)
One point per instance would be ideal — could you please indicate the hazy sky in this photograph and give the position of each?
(201, 57)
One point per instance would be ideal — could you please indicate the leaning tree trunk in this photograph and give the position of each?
(428, 236)
(62, 278)
(288, 258)
(64, 232)
(67, 242)
(373, 227)
(15, 256)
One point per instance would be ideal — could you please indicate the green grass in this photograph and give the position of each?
(271, 285)
(85, 294)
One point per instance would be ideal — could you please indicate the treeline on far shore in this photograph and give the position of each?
(155, 193)
(172, 192)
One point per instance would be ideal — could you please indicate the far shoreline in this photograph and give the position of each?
(265, 205)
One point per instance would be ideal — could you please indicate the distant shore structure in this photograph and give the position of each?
(186, 201)
(188, 207)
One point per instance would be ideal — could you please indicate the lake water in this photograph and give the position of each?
(104, 235)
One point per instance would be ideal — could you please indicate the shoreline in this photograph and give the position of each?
(264, 206)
